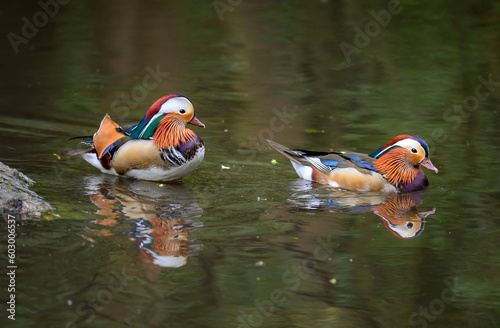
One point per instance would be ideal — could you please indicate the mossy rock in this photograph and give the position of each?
(15, 196)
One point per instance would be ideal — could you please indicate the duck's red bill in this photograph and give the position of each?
(428, 165)
(196, 122)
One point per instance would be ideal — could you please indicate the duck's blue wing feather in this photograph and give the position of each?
(336, 160)
(357, 160)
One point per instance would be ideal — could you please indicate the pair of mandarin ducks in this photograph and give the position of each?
(162, 148)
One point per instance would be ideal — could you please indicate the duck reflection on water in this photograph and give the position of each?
(162, 215)
(400, 215)
(398, 212)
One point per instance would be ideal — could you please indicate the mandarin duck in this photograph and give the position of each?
(393, 168)
(159, 148)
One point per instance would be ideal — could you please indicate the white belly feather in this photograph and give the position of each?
(154, 173)
(173, 173)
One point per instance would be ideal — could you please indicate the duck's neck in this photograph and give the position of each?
(398, 170)
(171, 133)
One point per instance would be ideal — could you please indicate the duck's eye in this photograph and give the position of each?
(414, 150)
(409, 225)
(182, 111)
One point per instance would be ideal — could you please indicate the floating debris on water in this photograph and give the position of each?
(312, 131)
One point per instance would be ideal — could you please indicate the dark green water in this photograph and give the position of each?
(252, 245)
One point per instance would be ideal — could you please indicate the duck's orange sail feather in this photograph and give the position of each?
(106, 135)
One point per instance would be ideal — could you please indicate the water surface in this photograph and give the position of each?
(243, 242)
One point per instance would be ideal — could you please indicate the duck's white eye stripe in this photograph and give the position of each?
(410, 144)
(176, 105)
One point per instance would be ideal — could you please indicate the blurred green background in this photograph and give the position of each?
(241, 249)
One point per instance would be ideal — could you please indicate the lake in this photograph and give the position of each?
(242, 241)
